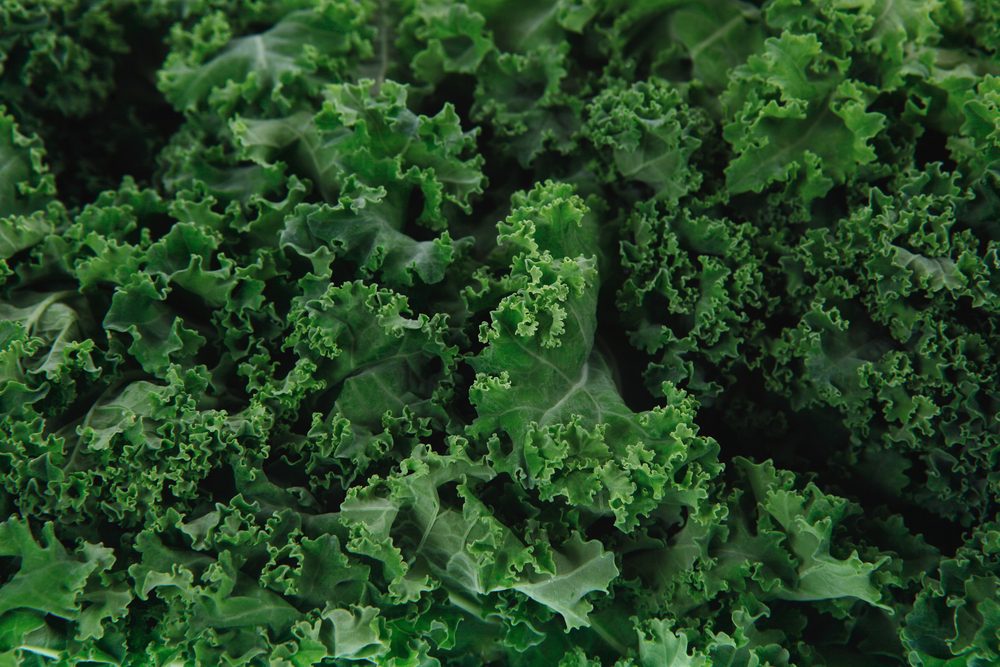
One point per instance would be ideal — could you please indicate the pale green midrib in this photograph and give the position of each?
(715, 36)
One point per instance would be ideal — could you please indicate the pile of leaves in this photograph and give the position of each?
(495, 332)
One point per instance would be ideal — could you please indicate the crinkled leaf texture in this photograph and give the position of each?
(541, 381)
(451, 333)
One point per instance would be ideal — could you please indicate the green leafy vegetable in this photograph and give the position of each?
(425, 333)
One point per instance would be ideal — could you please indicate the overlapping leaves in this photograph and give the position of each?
(462, 333)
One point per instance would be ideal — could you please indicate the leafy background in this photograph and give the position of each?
(576, 333)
